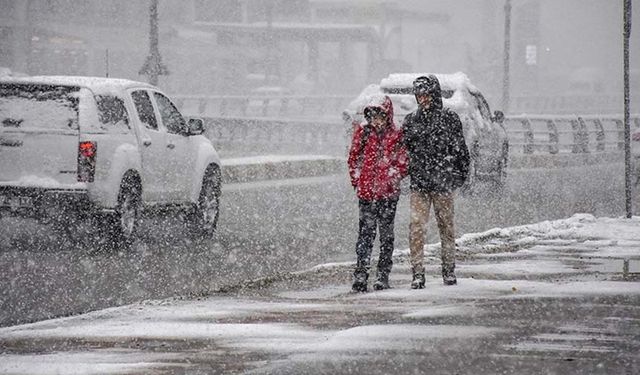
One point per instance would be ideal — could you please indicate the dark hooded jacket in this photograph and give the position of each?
(438, 154)
(377, 159)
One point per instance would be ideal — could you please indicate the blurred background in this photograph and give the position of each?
(560, 51)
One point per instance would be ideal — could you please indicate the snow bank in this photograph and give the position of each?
(44, 182)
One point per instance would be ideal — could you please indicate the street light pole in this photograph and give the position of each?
(506, 52)
(153, 66)
(627, 125)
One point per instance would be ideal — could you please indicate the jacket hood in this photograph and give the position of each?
(382, 102)
(429, 85)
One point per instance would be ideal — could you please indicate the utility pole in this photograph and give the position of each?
(627, 125)
(153, 66)
(506, 52)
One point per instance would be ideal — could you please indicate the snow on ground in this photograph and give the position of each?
(102, 361)
(552, 259)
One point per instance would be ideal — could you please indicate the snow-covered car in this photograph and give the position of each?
(484, 132)
(102, 149)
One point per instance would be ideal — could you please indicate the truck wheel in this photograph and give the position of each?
(124, 223)
(203, 220)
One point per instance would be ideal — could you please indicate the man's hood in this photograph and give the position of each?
(432, 86)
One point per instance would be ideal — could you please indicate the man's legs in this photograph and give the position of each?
(419, 215)
(386, 218)
(366, 236)
(443, 207)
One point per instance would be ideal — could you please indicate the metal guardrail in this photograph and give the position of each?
(551, 134)
(244, 136)
(312, 124)
(264, 106)
(528, 134)
(567, 104)
(276, 104)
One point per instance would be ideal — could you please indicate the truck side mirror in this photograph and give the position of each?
(196, 126)
(498, 116)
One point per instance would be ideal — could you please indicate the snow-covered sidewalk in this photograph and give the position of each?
(554, 297)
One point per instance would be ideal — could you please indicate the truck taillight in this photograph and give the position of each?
(87, 161)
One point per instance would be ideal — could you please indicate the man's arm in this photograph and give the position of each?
(408, 133)
(459, 149)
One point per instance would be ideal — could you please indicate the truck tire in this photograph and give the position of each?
(203, 219)
(123, 224)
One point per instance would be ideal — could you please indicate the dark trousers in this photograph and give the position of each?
(376, 214)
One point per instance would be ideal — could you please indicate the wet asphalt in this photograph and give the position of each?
(265, 228)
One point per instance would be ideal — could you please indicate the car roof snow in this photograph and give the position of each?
(453, 81)
(95, 84)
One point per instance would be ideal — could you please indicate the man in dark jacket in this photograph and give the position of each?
(438, 165)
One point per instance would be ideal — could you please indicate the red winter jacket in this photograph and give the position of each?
(377, 168)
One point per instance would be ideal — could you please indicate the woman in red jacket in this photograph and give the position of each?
(377, 163)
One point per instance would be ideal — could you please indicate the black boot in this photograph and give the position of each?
(382, 281)
(360, 278)
(448, 275)
(418, 279)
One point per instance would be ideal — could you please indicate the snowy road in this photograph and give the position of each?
(265, 227)
(553, 297)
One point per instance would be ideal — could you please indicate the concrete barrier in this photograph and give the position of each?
(277, 167)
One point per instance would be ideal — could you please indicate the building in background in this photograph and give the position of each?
(320, 47)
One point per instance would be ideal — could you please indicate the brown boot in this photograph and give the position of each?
(418, 279)
(448, 275)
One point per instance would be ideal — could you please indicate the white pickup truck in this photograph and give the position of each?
(74, 148)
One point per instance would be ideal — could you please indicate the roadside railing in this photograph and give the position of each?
(553, 134)
(263, 106)
(245, 136)
(243, 125)
(301, 106)
(567, 104)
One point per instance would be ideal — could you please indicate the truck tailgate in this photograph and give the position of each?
(38, 135)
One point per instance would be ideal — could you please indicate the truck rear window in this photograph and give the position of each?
(112, 112)
(38, 106)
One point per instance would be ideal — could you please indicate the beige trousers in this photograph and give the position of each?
(443, 208)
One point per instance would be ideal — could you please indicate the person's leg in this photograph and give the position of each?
(364, 246)
(419, 215)
(386, 217)
(443, 207)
